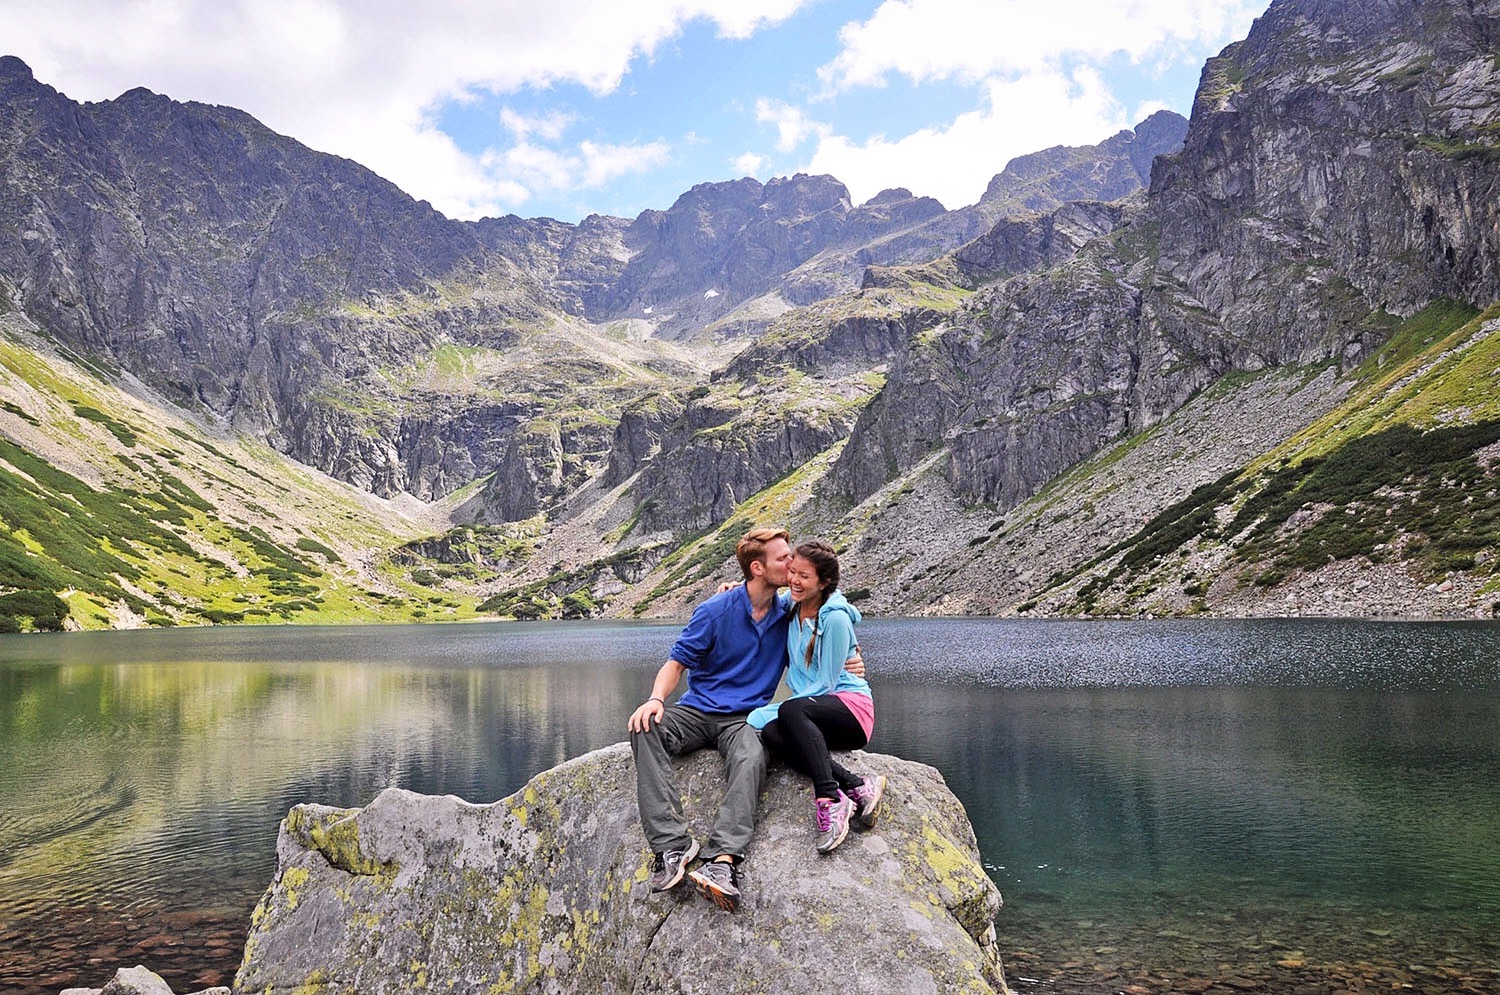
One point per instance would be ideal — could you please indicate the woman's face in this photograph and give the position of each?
(802, 580)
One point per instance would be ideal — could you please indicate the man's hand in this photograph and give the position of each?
(855, 664)
(640, 719)
(667, 679)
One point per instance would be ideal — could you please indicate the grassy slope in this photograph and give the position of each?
(1402, 473)
(134, 516)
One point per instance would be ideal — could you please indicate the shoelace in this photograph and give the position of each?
(825, 815)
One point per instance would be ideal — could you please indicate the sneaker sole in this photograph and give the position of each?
(687, 858)
(706, 888)
(868, 821)
(824, 847)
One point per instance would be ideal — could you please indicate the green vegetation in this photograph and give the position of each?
(60, 533)
(1427, 497)
(1222, 78)
(697, 558)
(467, 553)
(1411, 338)
(308, 545)
(1401, 471)
(39, 610)
(111, 544)
(119, 430)
(1398, 483)
(566, 593)
(1456, 148)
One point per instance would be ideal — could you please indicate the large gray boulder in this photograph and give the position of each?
(545, 891)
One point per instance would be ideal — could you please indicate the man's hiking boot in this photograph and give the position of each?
(866, 799)
(833, 821)
(719, 882)
(668, 868)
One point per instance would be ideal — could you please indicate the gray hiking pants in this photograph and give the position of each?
(683, 730)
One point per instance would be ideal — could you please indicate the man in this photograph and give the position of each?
(734, 646)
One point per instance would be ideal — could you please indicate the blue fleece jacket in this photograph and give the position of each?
(734, 663)
(834, 629)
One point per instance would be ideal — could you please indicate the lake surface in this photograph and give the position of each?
(1277, 804)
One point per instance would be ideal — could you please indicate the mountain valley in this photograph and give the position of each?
(1241, 364)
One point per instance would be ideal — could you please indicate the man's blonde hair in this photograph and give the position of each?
(752, 548)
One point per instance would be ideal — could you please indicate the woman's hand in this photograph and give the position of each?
(856, 663)
(640, 719)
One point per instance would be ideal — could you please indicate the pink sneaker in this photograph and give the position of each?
(833, 821)
(867, 798)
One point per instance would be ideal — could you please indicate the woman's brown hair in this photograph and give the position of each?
(826, 562)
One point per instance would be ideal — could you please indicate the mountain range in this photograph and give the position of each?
(1237, 364)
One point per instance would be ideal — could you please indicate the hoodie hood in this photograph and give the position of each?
(837, 603)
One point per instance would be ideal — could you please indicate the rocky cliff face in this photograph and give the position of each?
(246, 277)
(545, 891)
(1259, 244)
(1294, 128)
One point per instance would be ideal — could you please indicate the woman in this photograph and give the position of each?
(830, 708)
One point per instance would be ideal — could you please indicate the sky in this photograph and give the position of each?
(565, 108)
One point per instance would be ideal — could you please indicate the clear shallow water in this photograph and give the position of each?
(1157, 800)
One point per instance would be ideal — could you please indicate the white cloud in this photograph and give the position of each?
(364, 79)
(603, 162)
(531, 169)
(928, 40)
(749, 164)
(792, 124)
(548, 127)
(956, 162)
(1035, 66)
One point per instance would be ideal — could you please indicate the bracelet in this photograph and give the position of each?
(655, 698)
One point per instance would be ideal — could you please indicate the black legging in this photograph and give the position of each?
(803, 732)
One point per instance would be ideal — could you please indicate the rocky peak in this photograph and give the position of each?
(1044, 181)
(1160, 134)
(890, 195)
(1321, 104)
(14, 69)
(802, 196)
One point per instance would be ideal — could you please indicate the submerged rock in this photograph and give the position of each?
(136, 981)
(545, 891)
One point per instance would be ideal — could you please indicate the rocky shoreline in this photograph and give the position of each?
(1079, 961)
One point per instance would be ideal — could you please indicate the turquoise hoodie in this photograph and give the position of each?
(826, 675)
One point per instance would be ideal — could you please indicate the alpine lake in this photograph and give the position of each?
(1305, 806)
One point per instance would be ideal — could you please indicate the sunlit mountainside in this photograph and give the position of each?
(1237, 365)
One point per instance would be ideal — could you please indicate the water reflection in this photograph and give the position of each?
(104, 766)
(1195, 792)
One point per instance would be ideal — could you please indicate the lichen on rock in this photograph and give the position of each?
(545, 892)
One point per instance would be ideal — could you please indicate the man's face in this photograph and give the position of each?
(778, 558)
